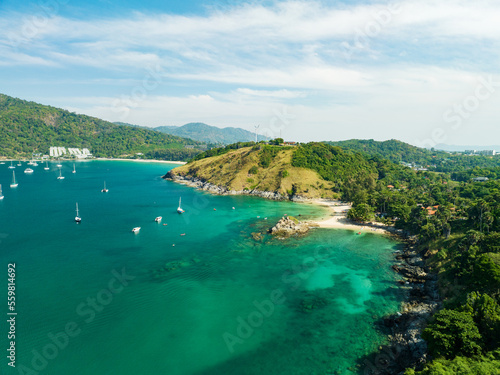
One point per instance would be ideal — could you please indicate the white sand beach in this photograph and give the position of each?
(338, 218)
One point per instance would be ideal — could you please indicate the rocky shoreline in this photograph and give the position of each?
(407, 348)
(222, 190)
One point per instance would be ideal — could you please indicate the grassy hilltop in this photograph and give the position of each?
(259, 168)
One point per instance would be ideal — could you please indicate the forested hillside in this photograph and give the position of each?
(28, 127)
(434, 160)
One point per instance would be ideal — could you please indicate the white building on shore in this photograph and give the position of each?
(56, 152)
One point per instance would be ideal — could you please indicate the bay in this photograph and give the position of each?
(199, 295)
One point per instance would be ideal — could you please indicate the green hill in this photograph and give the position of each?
(210, 134)
(393, 150)
(311, 170)
(28, 127)
(400, 152)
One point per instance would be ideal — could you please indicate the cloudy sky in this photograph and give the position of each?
(421, 71)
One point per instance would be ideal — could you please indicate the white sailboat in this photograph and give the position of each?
(78, 219)
(46, 166)
(1, 195)
(179, 209)
(19, 164)
(74, 168)
(61, 177)
(13, 183)
(11, 166)
(104, 190)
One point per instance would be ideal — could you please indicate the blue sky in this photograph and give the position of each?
(425, 72)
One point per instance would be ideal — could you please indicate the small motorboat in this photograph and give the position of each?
(165, 224)
(28, 170)
(136, 229)
(158, 219)
(183, 234)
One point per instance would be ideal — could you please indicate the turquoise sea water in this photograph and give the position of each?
(94, 298)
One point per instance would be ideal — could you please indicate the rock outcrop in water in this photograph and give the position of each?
(289, 226)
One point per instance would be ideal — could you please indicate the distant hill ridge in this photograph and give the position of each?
(211, 134)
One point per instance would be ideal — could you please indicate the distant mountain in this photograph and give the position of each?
(28, 127)
(455, 148)
(211, 134)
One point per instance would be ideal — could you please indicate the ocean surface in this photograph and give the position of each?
(205, 294)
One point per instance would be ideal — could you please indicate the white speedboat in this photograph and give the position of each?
(179, 209)
(1, 195)
(13, 184)
(158, 219)
(78, 219)
(136, 229)
(11, 166)
(61, 177)
(104, 190)
(28, 170)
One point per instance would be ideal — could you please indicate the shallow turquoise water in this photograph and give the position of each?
(218, 302)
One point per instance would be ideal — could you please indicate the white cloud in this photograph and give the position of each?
(283, 94)
(371, 66)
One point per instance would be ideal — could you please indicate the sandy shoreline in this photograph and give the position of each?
(143, 160)
(338, 218)
(107, 159)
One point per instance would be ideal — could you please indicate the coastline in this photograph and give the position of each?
(338, 218)
(108, 159)
(143, 160)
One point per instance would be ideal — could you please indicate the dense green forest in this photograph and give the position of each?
(437, 161)
(28, 127)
